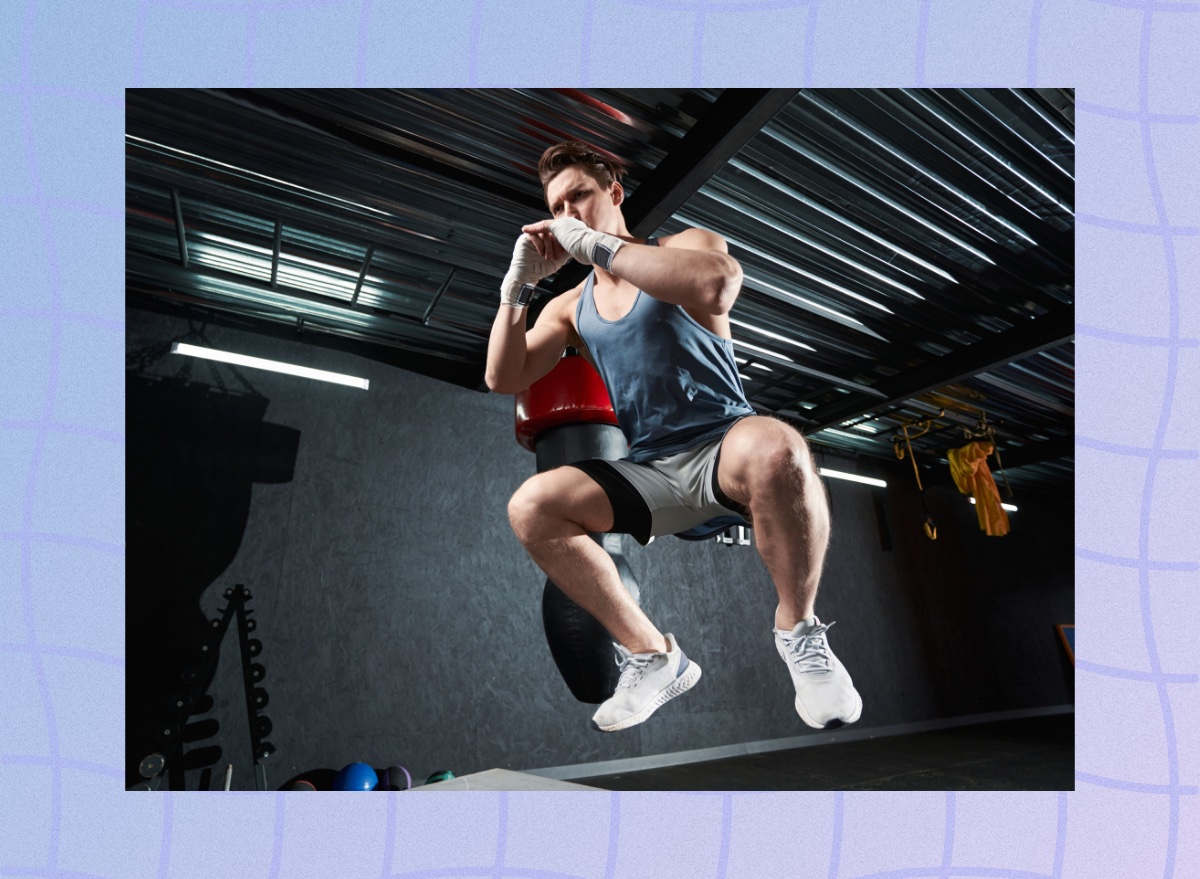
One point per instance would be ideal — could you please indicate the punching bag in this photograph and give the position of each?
(566, 417)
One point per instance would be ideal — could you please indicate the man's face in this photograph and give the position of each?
(573, 192)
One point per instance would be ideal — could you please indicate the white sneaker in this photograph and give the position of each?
(648, 681)
(825, 695)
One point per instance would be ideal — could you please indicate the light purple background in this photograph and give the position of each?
(63, 68)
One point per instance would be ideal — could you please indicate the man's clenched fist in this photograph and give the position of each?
(586, 245)
(528, 267)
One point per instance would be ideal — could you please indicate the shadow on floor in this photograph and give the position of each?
(1036, 753)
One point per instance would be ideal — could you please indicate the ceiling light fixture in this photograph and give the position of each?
(770, 335)
(1006, 165)
(921, 168)
(271, 365)
(852, 477)
(807, 302)
(837, 432)
(809, 242)
(742, 344)
(792, 267)
(833, 215)
(1010, 507)
(844, 174)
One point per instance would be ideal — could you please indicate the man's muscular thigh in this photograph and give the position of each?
(757, 453)
(563, 494)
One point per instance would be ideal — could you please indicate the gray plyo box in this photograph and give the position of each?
(502, 779)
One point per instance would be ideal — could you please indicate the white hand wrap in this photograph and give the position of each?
(527, 268)
(586, 245)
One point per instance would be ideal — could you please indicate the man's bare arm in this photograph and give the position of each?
(694, 270)
(516, 359)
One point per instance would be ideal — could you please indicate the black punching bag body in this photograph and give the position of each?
(567, 417)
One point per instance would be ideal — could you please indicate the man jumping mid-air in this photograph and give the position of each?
(653, 319)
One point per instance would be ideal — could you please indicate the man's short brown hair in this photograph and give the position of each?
(595, 164)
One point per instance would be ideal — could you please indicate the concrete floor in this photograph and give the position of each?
(1028, 754)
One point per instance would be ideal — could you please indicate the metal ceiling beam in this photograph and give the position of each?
(362, 275)
(275, 253)
(380, 140)
(733, 120)
(1051, 329)
(1038, 453)
(457, 369)
(183, 254)
(225, 289)
(437, 297)
(299, 324)
(730, 123)
(330, 218)
(799, 368)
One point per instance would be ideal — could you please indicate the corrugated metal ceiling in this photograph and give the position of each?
(905, 251)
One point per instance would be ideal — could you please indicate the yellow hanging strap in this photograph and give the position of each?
(913, 458)
(928, 525)
(1007, 488)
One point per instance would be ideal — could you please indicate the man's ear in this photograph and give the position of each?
(618, 193)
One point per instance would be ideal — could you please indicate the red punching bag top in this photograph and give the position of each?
(571, 393)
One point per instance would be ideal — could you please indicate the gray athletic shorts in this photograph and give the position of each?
(664, 496)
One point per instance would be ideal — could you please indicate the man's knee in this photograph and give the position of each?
(783, 458)
(526, 507)
(557, 502)
(542, 505)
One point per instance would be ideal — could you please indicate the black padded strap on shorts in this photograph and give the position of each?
(722, 498)
(630, 513)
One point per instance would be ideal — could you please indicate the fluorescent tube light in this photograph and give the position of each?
(769, 334)
(791, 267)
(837, 432)
(834, 215)
(791, 233)
(852, 477)
(740, 343)
(1009, 507)
(1008, 166)
(922, 169)
(808, 303)
(850, 178)
(272, 365)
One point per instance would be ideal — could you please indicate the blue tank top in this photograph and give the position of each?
(673, 384)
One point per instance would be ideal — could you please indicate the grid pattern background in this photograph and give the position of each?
(63, 68)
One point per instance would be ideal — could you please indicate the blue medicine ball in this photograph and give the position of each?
(356, 776)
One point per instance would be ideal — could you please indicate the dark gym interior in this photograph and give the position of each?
(919, 241)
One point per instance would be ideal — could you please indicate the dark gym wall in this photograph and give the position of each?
(401, 620)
